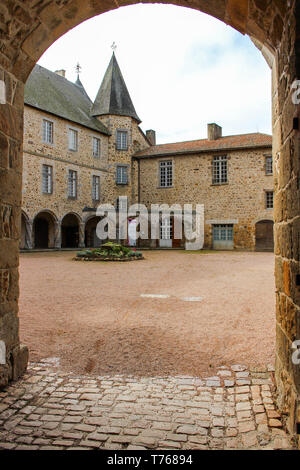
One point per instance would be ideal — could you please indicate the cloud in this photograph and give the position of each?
(183, 69)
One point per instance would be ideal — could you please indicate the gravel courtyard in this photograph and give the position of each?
(217, 309)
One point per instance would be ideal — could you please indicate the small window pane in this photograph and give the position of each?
(96, 188)
(269, 199)
(269, 166)
(73, 139)
(223, 232)
(220, 173)
(166, 174)
(47, 131)
(96, 147)
(72, 184)
(47, 177)
(122, 140)
(122, 175)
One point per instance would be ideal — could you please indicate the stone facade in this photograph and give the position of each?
(28, 29)
(58, 205)
(241, 201)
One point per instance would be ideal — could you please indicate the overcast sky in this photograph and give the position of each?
(182, 68)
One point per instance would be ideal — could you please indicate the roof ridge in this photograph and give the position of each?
(220, 138)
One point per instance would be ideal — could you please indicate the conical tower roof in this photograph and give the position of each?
(113, 96)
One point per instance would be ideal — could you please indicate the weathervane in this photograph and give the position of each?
(78, 68)
(114, 46)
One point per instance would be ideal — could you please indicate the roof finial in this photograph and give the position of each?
(114, 46)
(78, 69)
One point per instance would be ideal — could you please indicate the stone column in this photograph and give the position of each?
(81, 235)
(28, 235)
(57, 235)
(11, 134)
(286, 154)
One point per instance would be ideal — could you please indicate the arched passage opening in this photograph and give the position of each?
(274, 25)
(44, 230)
(70, 231)
(264, 235)
(91, 239)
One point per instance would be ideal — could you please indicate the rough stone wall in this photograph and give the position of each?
(287, 215)
(136, 141)
(11, 132)
(241, 199)
(36, 154)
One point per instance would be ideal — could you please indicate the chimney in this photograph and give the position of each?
(214, 131)
(61, 72)
(151, 136)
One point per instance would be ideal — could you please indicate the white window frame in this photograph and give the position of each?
(72, 184)
(73, 143)
(122, 139)
(166, 173)
(122, 174)
(220, 169)
(96, 188)
(48, 131)
(269, 165)
(122, 203)
(96, 143)
(47, 179)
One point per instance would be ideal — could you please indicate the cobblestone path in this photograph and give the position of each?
(50, 409)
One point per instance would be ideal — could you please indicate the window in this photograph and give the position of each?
(223, 232)
(47, 177)
(269, 166)
(72, 184)
(96, 147)
(96, 188)
(47, 131)
(220, 170)
(121, 176)
(122, 140)
(269, 199)
(166, 228)
(73, 140)
(166, 174)
(122, 203)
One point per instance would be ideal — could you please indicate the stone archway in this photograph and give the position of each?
(70, 231)
(44, 230)
(28, 30)
(91, 239)
(264, 235)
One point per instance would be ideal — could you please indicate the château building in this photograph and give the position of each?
(79, 153)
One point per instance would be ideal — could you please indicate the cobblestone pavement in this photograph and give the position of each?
(49, 409)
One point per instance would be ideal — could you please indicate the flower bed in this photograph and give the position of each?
(109, 252)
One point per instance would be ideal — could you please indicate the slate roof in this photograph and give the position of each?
(113, 96)
(233, 142)
(49, 92)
